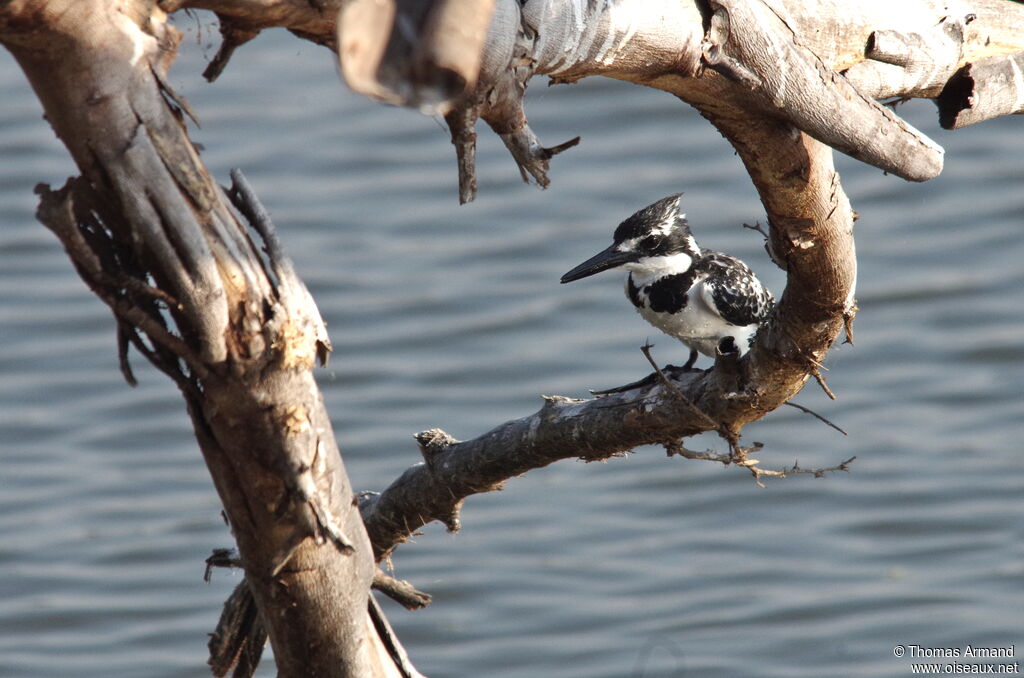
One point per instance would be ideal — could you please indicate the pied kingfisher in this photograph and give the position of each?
(708, 300)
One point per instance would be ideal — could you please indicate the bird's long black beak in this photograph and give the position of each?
(602, 261)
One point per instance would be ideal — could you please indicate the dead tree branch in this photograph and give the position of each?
(986, 89)
(158, 240)
(750, 44)
(820, 68)
(564, 428)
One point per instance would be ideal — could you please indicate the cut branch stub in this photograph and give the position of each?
(462, 124)
(234, 34)
(400, 591)
(750, 44)
(985, 89)
(900, 62)
(433, 443)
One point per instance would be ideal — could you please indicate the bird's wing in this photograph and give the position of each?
(733, 290)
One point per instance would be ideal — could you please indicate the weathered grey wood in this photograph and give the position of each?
(237, 331)
(410, 53)
(780, 73)
(917, 62)
(662, 47)
(983, 90)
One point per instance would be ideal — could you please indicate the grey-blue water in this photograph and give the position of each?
(453, 317)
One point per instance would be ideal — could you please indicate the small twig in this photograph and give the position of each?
(814, 414)
(57, 212)
(796, 469)
(897, 101)
(243, 196)
(821, 382)
(123, 338)
(752, 464)
(848, 317)
(552, 151)
(234, 36)
(400, 591)
(167, 362)
(673, 389)
(738, 455)
(229, 558)
(817, 367)
(757, 227)
(533, 159)
(141, 289)
(815, 363)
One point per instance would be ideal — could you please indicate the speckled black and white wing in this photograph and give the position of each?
(733, 290)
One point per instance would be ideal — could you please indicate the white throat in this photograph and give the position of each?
(649, 269)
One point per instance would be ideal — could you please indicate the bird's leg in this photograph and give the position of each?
(688, 365)
(676, 371)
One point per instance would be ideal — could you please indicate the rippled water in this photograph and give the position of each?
(453, 317)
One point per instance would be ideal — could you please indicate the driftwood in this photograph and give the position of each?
(199, 284)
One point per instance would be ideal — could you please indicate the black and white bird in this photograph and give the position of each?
(708, 300)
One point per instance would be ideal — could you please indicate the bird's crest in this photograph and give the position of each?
(662, 217)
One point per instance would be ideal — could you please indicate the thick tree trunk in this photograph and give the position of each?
(157, 239)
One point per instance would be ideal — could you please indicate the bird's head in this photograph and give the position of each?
(653, 242)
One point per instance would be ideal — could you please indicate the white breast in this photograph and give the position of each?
(698, 324)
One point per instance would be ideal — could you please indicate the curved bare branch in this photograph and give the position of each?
(751, 44)
(791, 60)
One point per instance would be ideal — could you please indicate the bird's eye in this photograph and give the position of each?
(651, 242)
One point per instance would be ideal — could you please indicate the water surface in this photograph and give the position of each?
(453, 317)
